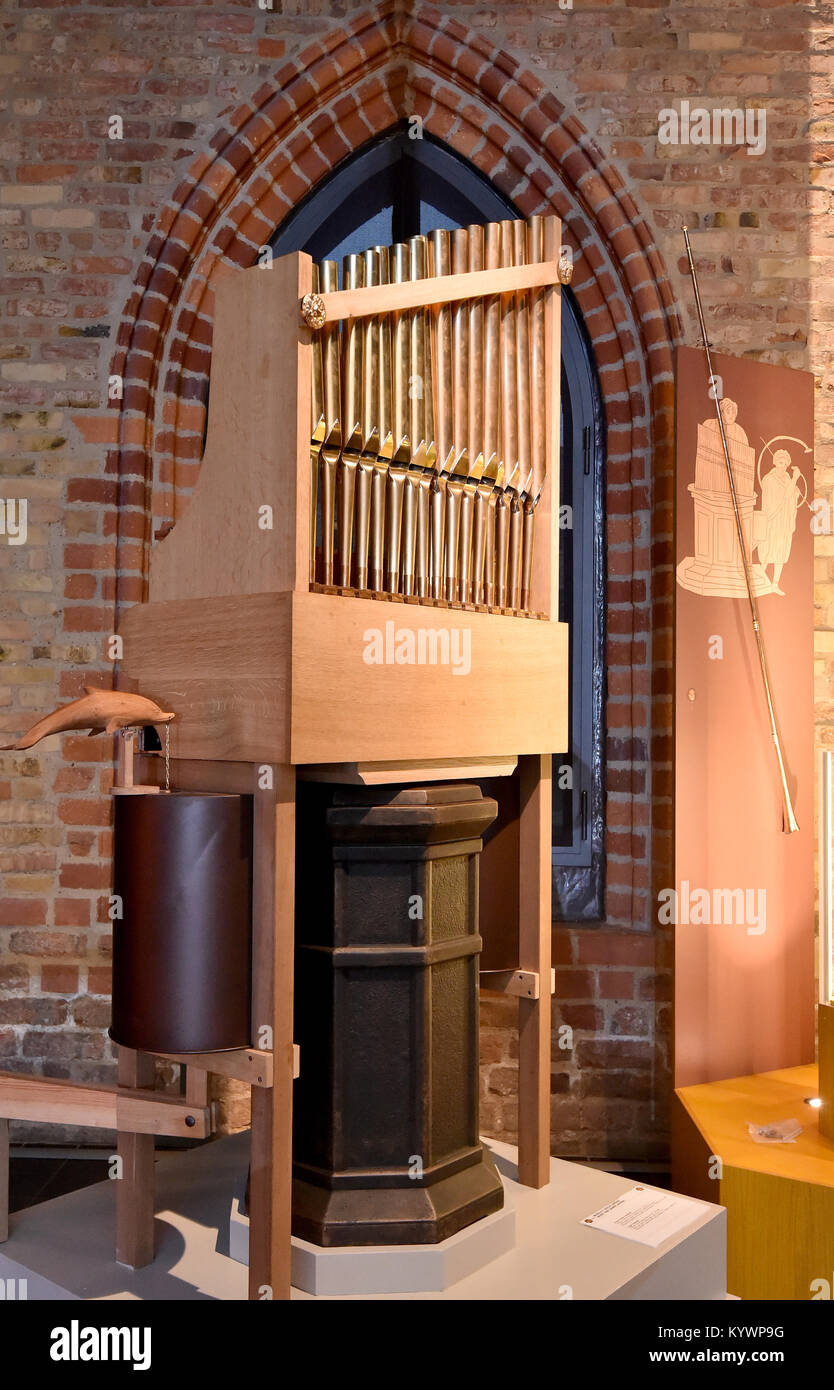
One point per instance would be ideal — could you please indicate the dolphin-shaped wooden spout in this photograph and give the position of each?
(100, 711)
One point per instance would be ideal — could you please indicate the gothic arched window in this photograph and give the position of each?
(395, 187)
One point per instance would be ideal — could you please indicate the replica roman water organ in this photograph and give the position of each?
(361, 597)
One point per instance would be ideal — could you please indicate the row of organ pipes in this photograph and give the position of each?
(428, 443)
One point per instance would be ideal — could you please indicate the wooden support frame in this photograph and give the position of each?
(534, 932)
(272, 1007)
(523, 984)
(125, 1107)
(247, 1064)
(134, 1191)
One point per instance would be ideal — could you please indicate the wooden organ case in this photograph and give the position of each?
(350, 526)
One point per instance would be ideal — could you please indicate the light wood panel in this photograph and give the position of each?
(272, 1005)
(534, 929)
(440, 289)
(514, 696)
(257, 448)
(223, 666)
(780, 1235)
(270, 677)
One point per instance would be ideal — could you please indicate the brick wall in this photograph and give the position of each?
(111, 248)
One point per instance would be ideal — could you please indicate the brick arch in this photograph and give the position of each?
(319, 107)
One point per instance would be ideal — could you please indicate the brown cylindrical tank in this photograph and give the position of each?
(182, 947)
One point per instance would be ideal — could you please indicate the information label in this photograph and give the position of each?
(645, 1214)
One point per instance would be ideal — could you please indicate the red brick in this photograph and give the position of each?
(80, 586)
(615, 948)
(72, 912)
(615, 984)
(99, 980)
(59, 979)
(76, 875)
(84, 812)
(22, 912)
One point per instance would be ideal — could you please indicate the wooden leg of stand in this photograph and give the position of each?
(534, 895)
(4, 1180)
(197, 1087)
(270, 1197)
(134, 1190)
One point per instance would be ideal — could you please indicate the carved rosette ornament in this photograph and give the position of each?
(312, 311)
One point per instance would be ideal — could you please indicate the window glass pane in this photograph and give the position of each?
(373, 231)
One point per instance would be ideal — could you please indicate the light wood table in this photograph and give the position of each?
(779, 1197)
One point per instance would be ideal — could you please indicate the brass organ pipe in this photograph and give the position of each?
(370, 434)
(514, 552)
(382, 426)
(502, 537)
(538, 418)
(460, 345)
(527, 551)
(334, 426)
(400, 365)
(523, 426)
(538, 433)
(353, 274)
(515, 543)
(416, 425)
(494, 466)
(476, 351)
(492, 349)
(427, 450)
(441, 264)
(317, 427)
(509, 379)
(522, 361)
(475, 432)
(460, 415)
(509, 425)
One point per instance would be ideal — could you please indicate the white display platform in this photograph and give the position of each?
(69, 1241)
(389, 1269)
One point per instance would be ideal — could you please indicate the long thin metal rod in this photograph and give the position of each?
(789, 821)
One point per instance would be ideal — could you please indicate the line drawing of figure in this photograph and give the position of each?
(710, 465)
(765, 507)
(776, 520)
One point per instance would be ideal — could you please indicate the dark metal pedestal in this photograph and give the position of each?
(385, 1135)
